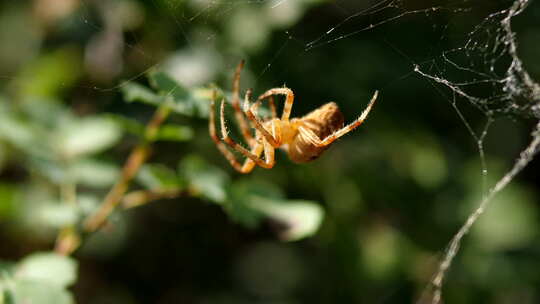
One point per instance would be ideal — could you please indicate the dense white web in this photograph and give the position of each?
(487, 57)
(484, 59)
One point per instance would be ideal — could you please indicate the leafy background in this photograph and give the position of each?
(365, 223)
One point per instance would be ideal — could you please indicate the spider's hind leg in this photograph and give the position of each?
(353, 125)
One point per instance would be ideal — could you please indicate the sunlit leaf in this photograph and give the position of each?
(181, 100)
(53, 170)
(164, 83)
(240, 203)
(39, 292)
(299, 218)
(127, 124)
(94, 173)
(204, 179)
(134, 92)
(174, 133)
(251, 201)
(22, 133)
(53, 214)
(87, 204)
(87, 136)
(156, 176)
(57, 270)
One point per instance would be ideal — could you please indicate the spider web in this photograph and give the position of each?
(484, 59)
(486, 56)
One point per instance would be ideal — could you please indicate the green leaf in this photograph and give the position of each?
(47, 267)
(94, 173)
(156, 176)
(87, 135)
(180, 99)
(134, 92)
(53, 170)
(171, 132)
(239, 206)
(251, 201)
(300, 218)
(165, 84)
(22, 133)
(204, 179)
(39, 292)
(54, 214)
(127, 124)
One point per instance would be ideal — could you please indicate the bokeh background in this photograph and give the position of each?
(390, 195)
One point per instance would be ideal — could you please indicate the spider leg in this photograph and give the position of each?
(251, 112)
(256, 105)
(269, 153)
(244, 128)
(288, 100)
(229, 141)
(337, 134)
(248, 163)
(272, 106)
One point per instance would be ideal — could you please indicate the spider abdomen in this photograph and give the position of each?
(322, 122)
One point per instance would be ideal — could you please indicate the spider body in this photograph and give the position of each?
(322, 122)
(304, 138)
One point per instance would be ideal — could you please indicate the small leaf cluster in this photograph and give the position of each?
(40, 278)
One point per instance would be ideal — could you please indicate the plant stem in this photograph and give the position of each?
(141, 197)
(136, 159)
(68, 239)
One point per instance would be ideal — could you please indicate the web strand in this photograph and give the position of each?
(495, 35)
(524, 159)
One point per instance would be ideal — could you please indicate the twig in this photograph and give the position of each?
(68, 239)
(136, 158)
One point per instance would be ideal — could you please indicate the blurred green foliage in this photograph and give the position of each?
(80, 79)
(38, 278)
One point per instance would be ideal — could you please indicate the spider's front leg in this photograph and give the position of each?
(273, 138)
(269, 151)
(248, 164)
(244, 128)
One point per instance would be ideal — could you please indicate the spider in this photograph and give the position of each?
(304, 138)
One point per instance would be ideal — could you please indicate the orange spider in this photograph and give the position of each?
(304, 138)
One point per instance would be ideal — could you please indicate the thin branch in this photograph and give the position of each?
(68, 238)
(136, 159)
